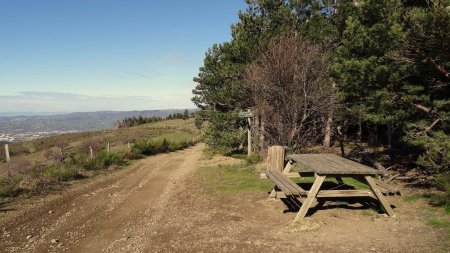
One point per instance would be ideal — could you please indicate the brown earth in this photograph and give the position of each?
(158, 205)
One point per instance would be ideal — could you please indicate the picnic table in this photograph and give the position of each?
(322, 166)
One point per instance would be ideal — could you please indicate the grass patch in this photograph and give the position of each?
(434, 199)
(413, 197)
(440, 224)
(232, 179)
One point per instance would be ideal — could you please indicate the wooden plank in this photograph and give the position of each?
(348, 165)
(293, 187)
(327, 164)
(289, 175)
(279, 183)
(344, 193)
(310, 199)
(342, 164)
(379, 195)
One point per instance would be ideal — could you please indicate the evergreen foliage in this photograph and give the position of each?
(134, 121)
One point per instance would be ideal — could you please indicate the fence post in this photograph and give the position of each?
(8, 159)
(91, 153)
(108, 147)
(275, 158)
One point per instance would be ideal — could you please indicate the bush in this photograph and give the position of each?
(63, 173)
(435, 150)
(104, 160)
(101, 161)
(159, 146)
(443, 183)
(9, 187)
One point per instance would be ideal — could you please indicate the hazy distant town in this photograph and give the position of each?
(19, 136)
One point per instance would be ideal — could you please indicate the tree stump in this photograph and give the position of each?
(275, 158)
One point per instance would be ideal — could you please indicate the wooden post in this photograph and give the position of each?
(249, 137)
(275, 158)
(91, 153)
(128, 147)
(108, 147)
(8, 160)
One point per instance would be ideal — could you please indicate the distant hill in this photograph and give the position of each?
(78, 121)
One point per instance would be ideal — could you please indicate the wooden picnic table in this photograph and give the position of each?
(323, 166)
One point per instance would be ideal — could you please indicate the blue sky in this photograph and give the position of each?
(89, 55)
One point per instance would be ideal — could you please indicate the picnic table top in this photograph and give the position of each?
(330, 164)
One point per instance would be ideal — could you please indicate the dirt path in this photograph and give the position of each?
(110, 214)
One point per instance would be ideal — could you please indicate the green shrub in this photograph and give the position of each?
(443, 183)
(435, 150)
(63, 173)
(154, 147)
(104, 160)
(10, 187)
(133, 155)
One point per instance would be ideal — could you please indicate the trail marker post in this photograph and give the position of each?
(91, 153)
(248, 115)
(8, 159)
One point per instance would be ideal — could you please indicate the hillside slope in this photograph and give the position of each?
(27, 155)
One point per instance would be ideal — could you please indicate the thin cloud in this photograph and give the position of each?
(32, 101)
(150, 75)
(177, 59)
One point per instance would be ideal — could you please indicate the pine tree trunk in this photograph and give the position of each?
(390, 133)
(360, 130)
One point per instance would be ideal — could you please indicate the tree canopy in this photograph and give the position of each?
(389, 61)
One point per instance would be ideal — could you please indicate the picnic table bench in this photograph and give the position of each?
(322, 166)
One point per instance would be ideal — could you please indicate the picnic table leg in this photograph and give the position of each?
(273, 194)
(310, 198)
(379, 195)
(288, 167)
